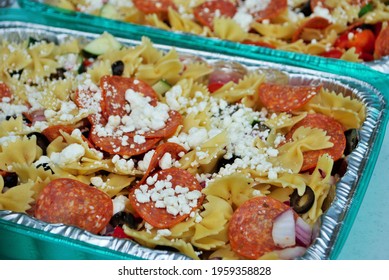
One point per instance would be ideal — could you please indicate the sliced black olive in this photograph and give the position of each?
(306, 9)
(351, 140)
(10, 179)
(340, 167)
(123, 218)
(259, 125)
(32, 41)
(58, 75)
(223, 162)
(302, 204)
(82, 68)
(117, 68)
(7, 118)
(41, 140)
(165, 248)
(16, 73)
(46, 167)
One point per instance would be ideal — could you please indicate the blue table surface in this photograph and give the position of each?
(368, 237)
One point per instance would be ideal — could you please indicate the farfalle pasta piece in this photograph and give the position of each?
(112, 184)
(320, 183)
(167, 67)
(43, 62)
(206, 157)
(277, 31)
(18, 198)
(153, 20)
(247, 86)
(153, 240)
(235, 189)
(349, 112)
(27, 153)
(228, 29)
(180, 23)
(210, 232)
(304, 139)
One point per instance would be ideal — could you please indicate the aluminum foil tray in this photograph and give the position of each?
(40, 6)
(27, 238)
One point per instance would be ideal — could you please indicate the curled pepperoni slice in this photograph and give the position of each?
(312, 23)
(153, 6)
(72, 202)
(273, 10)
(181, 190)
(251, 225)
(5, 92)
(114, 94)
(123, 145)
(172, 148)
(54, 131)
(333, 128)
(285, 98)
(381, 47)
(206, 12)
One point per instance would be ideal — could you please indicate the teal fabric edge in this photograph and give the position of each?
(73, 20)
(93, 250)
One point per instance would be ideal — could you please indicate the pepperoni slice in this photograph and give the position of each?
(273, 10)
(72, 202)
(333, 128)
(285, 98)
(174, 120)
(153, 6)
(114, 94)
(313, 23)
(54, 131)
(5, 92)
(251, 225)
(206, 12)
(86, 99)
(172, 148)
(158, 215)
(121, 145)
(381, 47)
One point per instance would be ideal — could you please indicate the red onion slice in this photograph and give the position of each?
(284, 229)
(303, 232)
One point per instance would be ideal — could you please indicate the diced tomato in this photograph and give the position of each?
(363, 40)
(365, 56)
(119, 232)
(333, 53)
(214, 87)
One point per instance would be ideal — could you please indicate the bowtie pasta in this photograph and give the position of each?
(352, 30)
(169, 150)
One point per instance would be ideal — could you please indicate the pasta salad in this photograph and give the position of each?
(212, 159)
(352, 30)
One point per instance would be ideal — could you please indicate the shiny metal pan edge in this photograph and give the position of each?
(332, 220)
